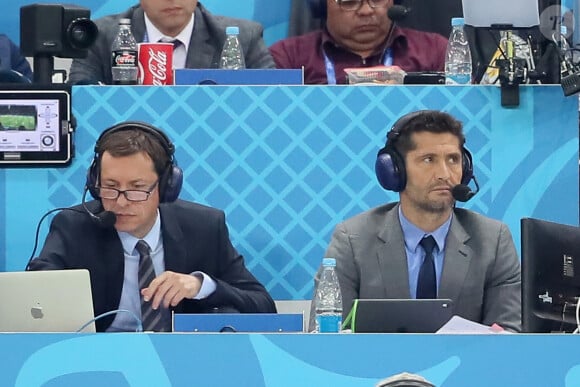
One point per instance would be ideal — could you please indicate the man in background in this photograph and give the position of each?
(200, 37)
(358, 34)
(423, 246)
(12, 60)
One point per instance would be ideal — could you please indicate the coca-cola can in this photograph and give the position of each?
(155, 63)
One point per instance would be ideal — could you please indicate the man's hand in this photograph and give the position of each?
(170, 288)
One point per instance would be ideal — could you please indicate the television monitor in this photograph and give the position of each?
(550, 276)
(36, 126)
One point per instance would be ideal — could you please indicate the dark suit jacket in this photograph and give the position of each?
(204, 51)
(11, 59)
(195, 237)
(481, 269)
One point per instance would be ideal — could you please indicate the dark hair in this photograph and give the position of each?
(128, 142)
(427, 121)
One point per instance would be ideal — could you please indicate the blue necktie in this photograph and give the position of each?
(427, 282)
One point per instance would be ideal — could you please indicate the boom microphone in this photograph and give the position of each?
(462, 192)
(105, 219)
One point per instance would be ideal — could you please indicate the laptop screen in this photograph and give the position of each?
(400, 315)
(46, 301)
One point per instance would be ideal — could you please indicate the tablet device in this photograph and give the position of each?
(35, 127)
(400, 315)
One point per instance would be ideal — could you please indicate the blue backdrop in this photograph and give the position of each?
(287, 163)
(273, 14)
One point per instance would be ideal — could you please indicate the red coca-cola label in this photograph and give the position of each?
(156, 63)
(124, 58)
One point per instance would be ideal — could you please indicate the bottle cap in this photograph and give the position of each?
(457, 21)
(327, 262)
(233, 30)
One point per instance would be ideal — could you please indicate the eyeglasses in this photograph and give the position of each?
(132, 195)
(355, 5)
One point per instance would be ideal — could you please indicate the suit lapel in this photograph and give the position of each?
(174, 250)
(201, 53)
(392, 257)
(138, 23)
(457, 260)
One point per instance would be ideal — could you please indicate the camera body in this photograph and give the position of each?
(60, 30)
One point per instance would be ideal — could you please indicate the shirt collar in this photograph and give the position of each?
(154, 35)
(414, 234)
(152, 238)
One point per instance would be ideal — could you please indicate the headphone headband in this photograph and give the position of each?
(390, 164)
(140, 125)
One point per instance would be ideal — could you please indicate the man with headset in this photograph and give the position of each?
(358, 33)
(382, 253)
(138, 230)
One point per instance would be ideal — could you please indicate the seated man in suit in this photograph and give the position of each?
(384, 252)
(201, 34)
(358, 33)
(12, 60)
(148, 252)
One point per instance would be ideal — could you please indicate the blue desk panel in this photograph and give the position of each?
(287, 163)
(287, 360)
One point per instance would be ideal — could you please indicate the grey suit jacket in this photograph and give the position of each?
(204, 49)
(481, 269)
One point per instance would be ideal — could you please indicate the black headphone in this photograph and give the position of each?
(390, 164)
(170, 180)
(318, 8)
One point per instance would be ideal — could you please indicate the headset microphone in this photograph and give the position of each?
(105, 219)
(398, 12)
(462, 192)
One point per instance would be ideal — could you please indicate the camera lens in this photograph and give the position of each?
(82, 33)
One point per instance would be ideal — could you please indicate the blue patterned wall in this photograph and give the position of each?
(287, 163)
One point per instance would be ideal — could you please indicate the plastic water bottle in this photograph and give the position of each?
(328, 300)
(458, 56)
(124, 64)
(232, 54)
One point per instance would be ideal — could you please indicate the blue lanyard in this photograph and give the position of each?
(331, 72)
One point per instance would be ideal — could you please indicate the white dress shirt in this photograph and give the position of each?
(180, 52)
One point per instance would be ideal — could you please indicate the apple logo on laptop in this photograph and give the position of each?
(36, 311)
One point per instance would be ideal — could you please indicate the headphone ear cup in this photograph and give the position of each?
(317, 8)
(390, 170)
(93, 177)
(170, 184)
(467, 167)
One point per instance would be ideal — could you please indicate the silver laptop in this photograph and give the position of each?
(46, 301)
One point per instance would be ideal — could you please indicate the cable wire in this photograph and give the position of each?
(139, 327)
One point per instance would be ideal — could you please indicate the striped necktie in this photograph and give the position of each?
(176, 45)
(151, 319)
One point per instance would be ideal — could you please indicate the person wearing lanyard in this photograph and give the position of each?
(358, 33)
(201, 37)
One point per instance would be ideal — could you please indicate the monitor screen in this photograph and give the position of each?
(35, 127)
(550, 276)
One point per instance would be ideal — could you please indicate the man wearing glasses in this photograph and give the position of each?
(358, 33)
(147, 251)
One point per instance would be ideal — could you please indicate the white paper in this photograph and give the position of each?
(460, 325)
